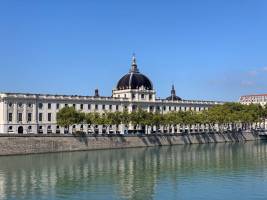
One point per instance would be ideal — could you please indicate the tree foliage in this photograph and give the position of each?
(228, 115)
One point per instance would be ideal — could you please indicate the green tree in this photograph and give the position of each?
(68, 116)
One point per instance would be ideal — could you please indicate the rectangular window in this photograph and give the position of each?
(66, 105)
(29, 118)
(20, 117)
(89, 106)
(110, 107)
(58, 105)
(40, 117)
(117, 107)
(40, 105)
(10, 117)
(150, 97)
(142, 96)
(49, 116)
(96, 107)
(103, 107)
(81, 106)
(49, 106)
(74, 106)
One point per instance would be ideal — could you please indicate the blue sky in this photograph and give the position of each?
(209, 49)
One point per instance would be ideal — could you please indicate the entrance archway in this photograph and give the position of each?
(20, 130)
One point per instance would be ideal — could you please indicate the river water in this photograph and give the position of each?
(207, 171)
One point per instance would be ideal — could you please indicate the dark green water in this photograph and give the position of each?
(215, 171)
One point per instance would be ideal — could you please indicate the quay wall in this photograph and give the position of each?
(30, 144)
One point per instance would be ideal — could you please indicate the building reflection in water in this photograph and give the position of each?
(123, 173)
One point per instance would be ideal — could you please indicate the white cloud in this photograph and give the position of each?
(252, 73)
(264, 69)
(247, 83)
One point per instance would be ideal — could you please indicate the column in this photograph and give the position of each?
(34, 118)
(15, 113)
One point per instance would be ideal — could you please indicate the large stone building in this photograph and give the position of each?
(36, 113)
(254, 98)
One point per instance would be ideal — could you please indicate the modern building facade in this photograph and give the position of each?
(255, 99)
(22, 113)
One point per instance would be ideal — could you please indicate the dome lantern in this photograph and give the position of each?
(134, 68)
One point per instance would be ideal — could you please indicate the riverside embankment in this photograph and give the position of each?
(30, 144)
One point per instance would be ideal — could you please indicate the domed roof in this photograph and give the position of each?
(173, 96)
(134, 79)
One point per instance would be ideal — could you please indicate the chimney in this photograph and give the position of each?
(96, 93)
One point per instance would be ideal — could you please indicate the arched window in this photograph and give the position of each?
(29, 129)
(20, 130)
(49, 130)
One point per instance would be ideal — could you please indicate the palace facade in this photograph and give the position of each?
(22, 113)
(254, 98)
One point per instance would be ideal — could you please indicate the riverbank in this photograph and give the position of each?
(31, 144)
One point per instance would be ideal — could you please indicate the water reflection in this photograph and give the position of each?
(141, 173)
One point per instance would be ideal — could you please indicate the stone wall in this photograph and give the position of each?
(22, 144)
